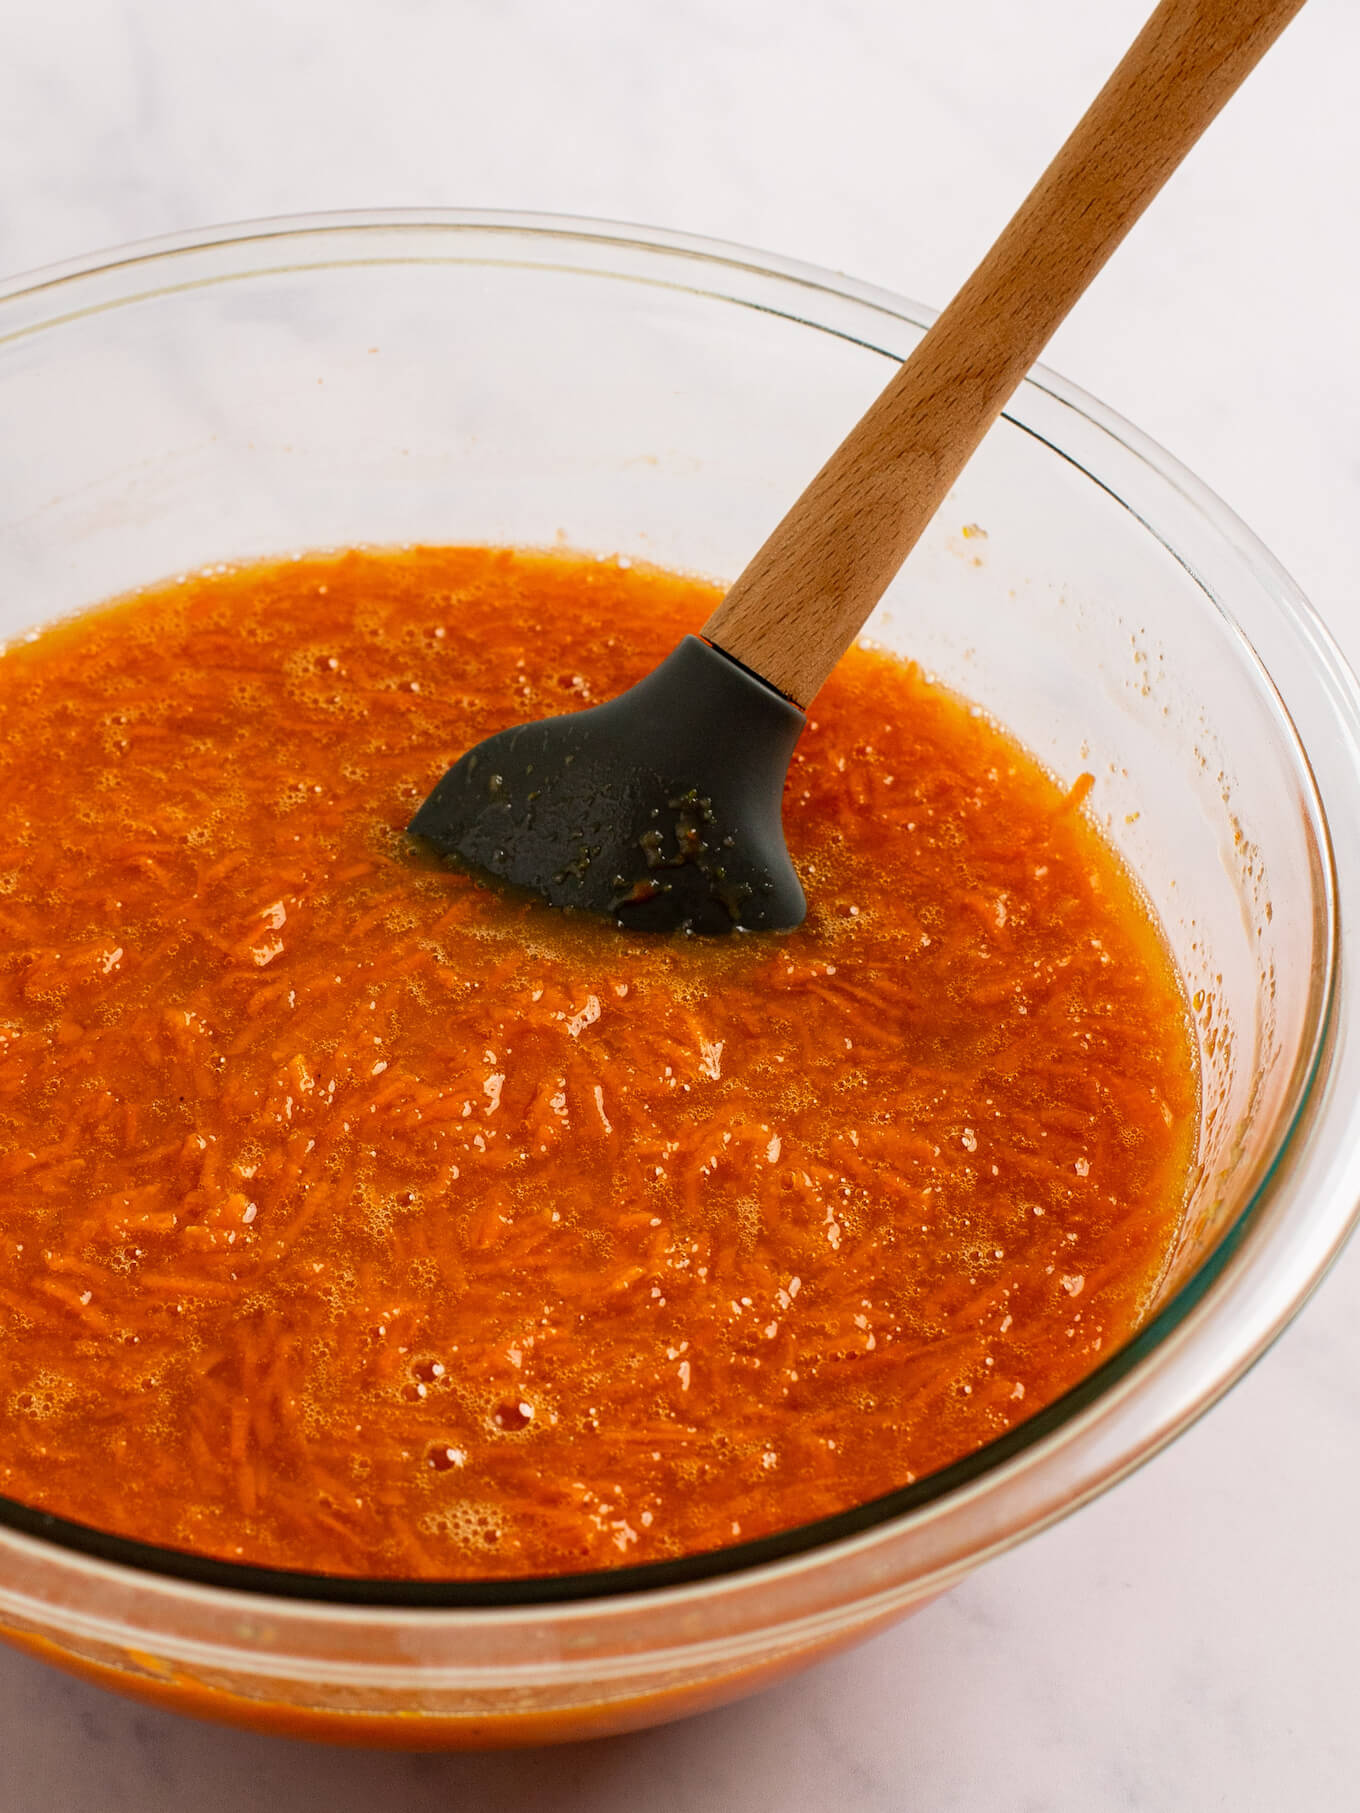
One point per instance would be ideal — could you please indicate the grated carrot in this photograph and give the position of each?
(355, 1217)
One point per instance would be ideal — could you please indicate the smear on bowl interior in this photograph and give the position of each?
(355, 1218)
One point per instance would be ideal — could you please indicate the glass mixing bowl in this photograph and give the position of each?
(392, 378)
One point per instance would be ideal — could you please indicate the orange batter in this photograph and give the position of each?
(355, 1218)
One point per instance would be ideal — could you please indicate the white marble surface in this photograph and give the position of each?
(1190, 1641)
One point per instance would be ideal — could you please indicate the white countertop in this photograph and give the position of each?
(1190, 1641)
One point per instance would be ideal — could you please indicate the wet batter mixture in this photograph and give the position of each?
(354, 1217)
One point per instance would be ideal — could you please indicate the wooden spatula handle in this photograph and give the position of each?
(804, 597)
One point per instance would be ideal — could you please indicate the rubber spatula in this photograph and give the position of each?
(662, 808)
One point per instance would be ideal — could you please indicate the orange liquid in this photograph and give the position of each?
(355, 1218)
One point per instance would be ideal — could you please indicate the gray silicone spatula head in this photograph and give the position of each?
(660, 810)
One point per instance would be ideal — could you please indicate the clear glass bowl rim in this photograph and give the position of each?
(1175, 1334)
